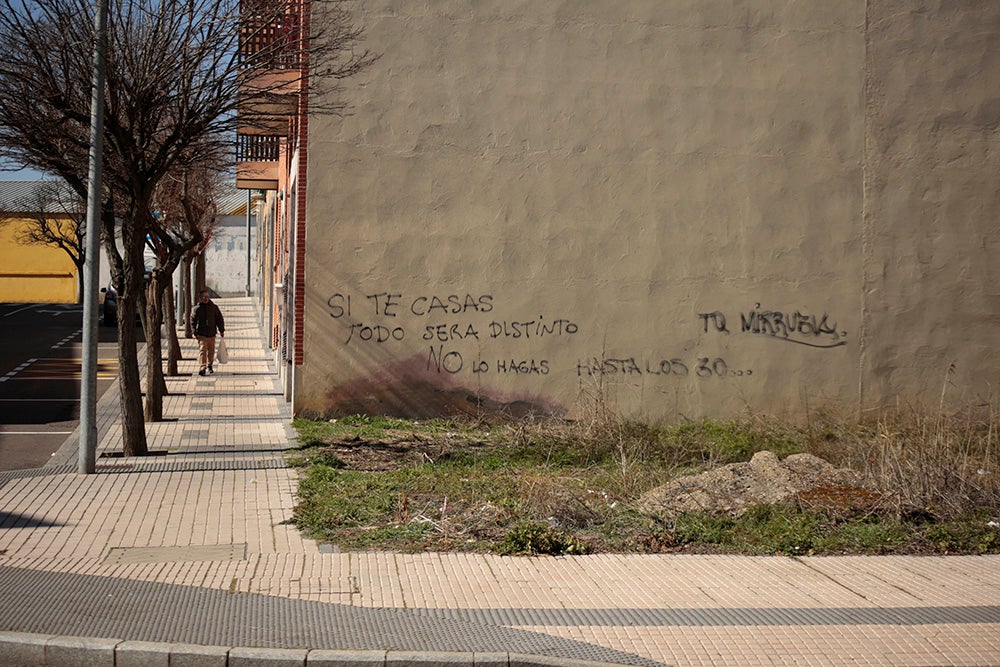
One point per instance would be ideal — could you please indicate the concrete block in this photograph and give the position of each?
(196, 655)
(428, 659)
(333, 658)
(22, 648)
(490, 659)
(142, 654)
(267, 657)
(523, 660)
(80, 652)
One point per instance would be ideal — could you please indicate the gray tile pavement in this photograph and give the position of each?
(193, 548)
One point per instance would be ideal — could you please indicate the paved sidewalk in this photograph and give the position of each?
(193, 547)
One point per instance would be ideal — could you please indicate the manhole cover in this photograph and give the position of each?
(119, 555)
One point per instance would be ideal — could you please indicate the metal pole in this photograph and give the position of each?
(249, 200)
(92, 262)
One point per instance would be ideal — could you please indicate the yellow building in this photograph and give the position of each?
(30, 273)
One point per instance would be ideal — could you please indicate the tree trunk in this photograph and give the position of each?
(199, 272)
(186, 296)
(127, 273)
(173, 344)
(79, 284)
(129, 384)
(156, 385)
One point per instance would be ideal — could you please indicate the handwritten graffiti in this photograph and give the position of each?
(451, 304)
(446, 333)
(389, 304)
(452, 362)
(704, 367)
(505, 329)
(797, 327)
(522, 367)
(375, 333)
(718, 320)
(537, 328)
(453, 325)
(449, 362)
(388, 317)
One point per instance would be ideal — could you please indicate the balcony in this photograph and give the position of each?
(258, 161)
(271, 67)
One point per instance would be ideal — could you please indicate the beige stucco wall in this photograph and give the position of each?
(632, 174)
(932, 218)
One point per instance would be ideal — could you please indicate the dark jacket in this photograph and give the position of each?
(208, 320)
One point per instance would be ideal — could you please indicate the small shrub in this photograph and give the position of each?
(537, 539)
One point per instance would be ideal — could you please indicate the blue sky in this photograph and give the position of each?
(21, 175)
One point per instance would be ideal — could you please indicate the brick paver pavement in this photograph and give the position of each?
(210, 514)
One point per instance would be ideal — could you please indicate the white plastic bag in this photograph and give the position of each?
(221, 353)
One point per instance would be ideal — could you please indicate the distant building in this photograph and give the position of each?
(230, 256)
(32, 273)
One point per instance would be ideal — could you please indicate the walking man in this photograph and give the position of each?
(207, 321)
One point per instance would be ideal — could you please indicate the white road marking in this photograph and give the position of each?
(14, 312)
(17, 370)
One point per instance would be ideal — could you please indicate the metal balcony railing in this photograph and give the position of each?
(269, 37)
(257, 148)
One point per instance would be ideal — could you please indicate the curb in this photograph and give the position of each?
(22, 649)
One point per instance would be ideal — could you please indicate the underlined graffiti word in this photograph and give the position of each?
(797, 327)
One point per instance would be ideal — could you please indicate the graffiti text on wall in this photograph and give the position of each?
(448, 323)
(700, 367)
(387, 318)
(393, 304)
(797, 327)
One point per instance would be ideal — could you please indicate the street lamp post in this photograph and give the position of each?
(92, 262)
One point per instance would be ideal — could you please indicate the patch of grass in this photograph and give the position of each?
(869, 535)
(971, 534)
(554, 486)
(312, 433)
(775, 529)
(724, 442)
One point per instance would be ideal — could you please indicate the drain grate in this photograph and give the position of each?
(120, 555)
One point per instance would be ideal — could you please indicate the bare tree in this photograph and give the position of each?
(53, 216)
(176, 75)
(186, 214)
